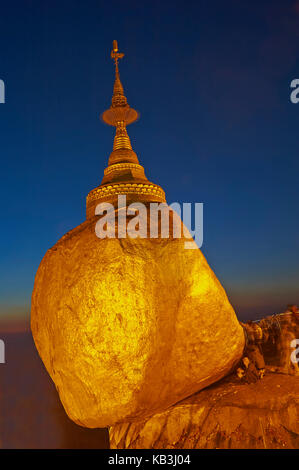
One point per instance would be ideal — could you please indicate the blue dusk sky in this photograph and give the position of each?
(212, 83)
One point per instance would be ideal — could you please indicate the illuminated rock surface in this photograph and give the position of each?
(128, 327)
(226, 415)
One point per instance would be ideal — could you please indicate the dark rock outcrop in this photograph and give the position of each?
(256, 407)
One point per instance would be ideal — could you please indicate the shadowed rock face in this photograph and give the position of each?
(128, 327)
(227, 415)
(279, 331)
(237, 412)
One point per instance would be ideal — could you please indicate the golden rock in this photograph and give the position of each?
(127, 327)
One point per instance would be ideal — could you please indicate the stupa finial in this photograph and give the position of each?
(115, 54)
(118, 98)
(119, 111)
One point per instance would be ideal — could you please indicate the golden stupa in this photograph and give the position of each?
(124, 174)
(127, 327)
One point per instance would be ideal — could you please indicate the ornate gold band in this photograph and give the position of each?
(122, 166)
(148, 189)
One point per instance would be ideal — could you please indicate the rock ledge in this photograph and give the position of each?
(225, 415)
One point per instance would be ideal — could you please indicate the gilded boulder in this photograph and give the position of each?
(128, 327)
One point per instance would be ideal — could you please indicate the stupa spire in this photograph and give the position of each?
(118, 98)
(124, 174)
(120, 114)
